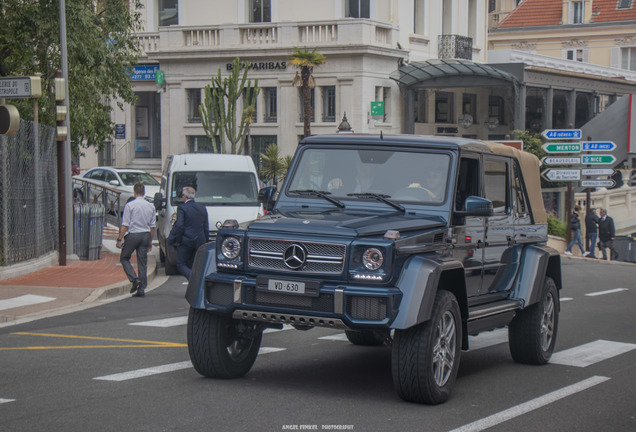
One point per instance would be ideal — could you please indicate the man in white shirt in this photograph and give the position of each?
(138, 225)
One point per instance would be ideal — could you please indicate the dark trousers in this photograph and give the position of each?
(185, 259)
(609, 244)
(138, 242)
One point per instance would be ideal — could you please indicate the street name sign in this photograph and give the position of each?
(21, 87)
(555, 160)
(562, 147)
(601, 159)
(597, 171)
(562, 174)
(597, 183)
(553, 134)
(598, 145)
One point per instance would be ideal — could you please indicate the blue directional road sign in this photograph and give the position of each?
(598, 145)
(554, 134)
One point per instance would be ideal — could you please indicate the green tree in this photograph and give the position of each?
(101, 50)
(305, 61)
(220, 104)
(274, 166)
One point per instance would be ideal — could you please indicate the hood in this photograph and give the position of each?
(345, 222)
(151, 191)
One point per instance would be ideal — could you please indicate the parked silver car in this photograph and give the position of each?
(120, 179)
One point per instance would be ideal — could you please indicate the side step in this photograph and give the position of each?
(492, 315)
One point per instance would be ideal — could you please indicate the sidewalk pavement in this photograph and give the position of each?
(57, 290)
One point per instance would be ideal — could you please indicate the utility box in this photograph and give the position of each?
(88, 230)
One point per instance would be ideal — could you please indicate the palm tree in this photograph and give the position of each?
(305, 61)
(274, 166)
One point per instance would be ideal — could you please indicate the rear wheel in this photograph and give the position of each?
(222, 347)
(425, 358)
(532, 333)
(171, 269)
(366, 337)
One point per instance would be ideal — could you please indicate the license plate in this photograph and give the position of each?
(292, 287)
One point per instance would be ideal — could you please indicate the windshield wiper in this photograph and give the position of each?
(321, 194)
(379, 197)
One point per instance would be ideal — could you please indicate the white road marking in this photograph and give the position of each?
(267, 350)
(531, 405)
(146, 372)
(590, 353)
(273, 330)
(566, 299)
(25, 300)
(612, 291)
(336, 337)
(166, 322)
(6, 400)
(486, 339)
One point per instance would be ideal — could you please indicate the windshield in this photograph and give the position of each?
(217, 188)
(354, 174)
(130, 178)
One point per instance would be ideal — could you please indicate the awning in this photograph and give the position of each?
(450, 73)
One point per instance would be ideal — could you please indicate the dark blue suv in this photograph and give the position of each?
(413, 241)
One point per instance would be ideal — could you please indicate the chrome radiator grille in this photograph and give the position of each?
(323, 258)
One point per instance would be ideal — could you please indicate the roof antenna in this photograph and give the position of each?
(381, 136)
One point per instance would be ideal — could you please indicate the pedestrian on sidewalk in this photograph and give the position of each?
(575, 228)
(190, 231)
(136, 232)
(591, 230)
(606, 235)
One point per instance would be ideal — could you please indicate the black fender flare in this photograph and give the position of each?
(537, 262)
(419, 283)
(204, 264)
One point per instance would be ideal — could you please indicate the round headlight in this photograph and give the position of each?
(231, 247)
(372, 259)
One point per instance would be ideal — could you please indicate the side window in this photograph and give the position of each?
(109, 176)
(97, 175)
(521, 206)
(467, 182)
(496, 184)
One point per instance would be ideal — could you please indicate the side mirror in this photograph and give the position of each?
(268, 196)
(113, 183)
(158, 201)
(476, 206)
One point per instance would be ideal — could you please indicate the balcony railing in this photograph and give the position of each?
(284, 35)
(455, 47)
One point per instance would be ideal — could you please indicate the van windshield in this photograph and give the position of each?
(217, 188)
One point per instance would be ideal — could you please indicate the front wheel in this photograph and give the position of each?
(425, 358)
(532, 333)
(222, 347)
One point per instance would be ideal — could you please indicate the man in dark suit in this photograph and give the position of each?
(190, 231)
(606, 235)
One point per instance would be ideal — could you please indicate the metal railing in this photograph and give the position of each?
(455, 46)
(86, 191)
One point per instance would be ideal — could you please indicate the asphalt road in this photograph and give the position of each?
(124, 366)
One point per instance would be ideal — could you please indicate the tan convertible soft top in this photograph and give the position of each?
(530, 167)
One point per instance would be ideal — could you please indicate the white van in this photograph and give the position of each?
(226, 184)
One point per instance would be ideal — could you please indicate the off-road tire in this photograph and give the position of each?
(221, 347)
(425, 358)
(532, 333)
(366, 337)
(171, 269)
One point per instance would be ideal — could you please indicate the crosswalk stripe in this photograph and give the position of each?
(612, 291)
(590, 353)
(487, 339)
(268, 350)
(531, 405)
(146, 372)
(336, 337)
(273, 330)
(166, 322)
(24, 300)
(6, 400)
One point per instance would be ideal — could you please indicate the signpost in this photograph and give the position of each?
(562, 147)
(562, 174)
(599, 160)
(598, 145)
(555, 160)
(597, 171)
(598, 183)
(21, 87)
(567, 134)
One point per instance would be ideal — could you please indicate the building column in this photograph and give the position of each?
(520, 108)
(571, 107)
(408, 114)
(548, 105)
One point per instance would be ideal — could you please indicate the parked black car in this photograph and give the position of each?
(413, 241)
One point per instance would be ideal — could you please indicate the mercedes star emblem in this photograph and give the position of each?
(295, 256)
